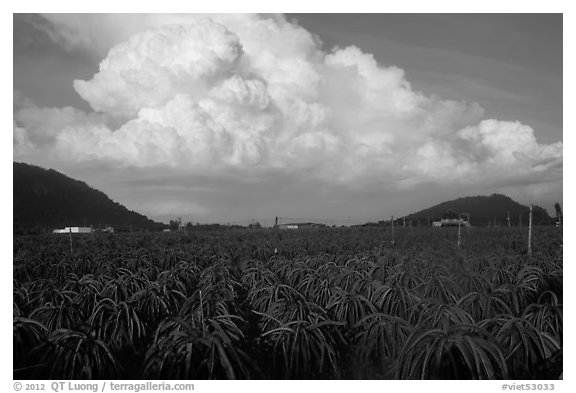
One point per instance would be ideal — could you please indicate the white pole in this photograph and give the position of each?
(530, 232)
(202, 314)
(459, 221)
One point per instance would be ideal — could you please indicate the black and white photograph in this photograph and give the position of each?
(314, 196)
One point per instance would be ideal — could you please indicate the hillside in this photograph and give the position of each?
(483, 209)
(46, 199)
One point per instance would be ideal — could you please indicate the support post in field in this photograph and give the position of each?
(392, 226)
(459, 222)
(70, 233)
(558, 209)
(202, 313)
(530, 232)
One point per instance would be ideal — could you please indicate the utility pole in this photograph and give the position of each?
(519, 219)
(508, 218)
(392, 224)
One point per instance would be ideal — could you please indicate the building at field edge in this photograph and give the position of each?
(73, 230)
(301, 225)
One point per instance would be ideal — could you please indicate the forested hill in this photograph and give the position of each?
(483, 209)
(45, 199)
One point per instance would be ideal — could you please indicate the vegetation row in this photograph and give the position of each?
(264, 304)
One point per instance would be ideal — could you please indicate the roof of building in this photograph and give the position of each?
(301, 223)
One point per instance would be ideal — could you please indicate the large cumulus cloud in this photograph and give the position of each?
(249, 94)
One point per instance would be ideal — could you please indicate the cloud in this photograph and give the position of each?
(37, 129)
(152, 67)
(259, 95)
(21, 141)
(169, 208)
(508, 143)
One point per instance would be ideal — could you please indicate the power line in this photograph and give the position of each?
(333, 220)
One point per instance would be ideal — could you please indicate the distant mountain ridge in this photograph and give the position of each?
(485, 210)
(45, 199)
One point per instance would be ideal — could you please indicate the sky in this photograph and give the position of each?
(339, 118)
